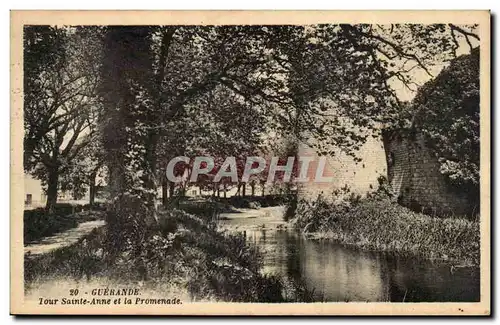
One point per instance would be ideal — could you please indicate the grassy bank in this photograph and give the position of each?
(378, 224)
(189, 254)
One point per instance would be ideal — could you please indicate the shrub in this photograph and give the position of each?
(208, 210)
(38, 223)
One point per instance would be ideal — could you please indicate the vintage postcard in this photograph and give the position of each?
(250, 162)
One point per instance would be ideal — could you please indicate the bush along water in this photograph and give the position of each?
(377, 223)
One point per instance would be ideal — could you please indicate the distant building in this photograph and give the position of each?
(34, 195)
(33, 192)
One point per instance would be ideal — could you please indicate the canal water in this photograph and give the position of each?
(334, 272)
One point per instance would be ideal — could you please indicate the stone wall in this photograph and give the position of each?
(411, 168)
(413, 172)
(361, 178)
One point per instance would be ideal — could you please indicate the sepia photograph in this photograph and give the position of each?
(250, 163)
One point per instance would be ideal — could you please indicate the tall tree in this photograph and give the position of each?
(60, 101)
(126, 91)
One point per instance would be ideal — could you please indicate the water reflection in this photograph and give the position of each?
(338, 273)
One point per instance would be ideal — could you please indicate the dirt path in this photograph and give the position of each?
(62, 239)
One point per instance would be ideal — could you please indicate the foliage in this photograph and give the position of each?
(43, 53)
(447, 112)
(341, 78)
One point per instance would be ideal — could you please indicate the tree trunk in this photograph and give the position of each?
(244, 190)
(52, 189)
(150, 181)
(171, 189)
(127, 67)
(92, 189)
(225, 191)
(252, 186)
(263, 189)
(164, 190)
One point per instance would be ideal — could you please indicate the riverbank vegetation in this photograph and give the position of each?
(376, 223)
(188, 254)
